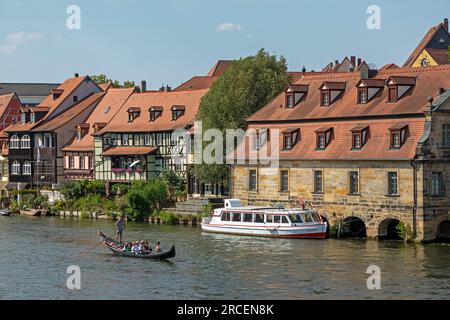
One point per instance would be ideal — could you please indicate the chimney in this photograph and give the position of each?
(76, 75)
(336, 62)
(359, 61)
(446, 24)
(168, 89)
(143, 86)
(303, 70)
(353, 60)
(441, 91)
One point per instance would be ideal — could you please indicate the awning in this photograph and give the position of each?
(15, 185)
(128, 151)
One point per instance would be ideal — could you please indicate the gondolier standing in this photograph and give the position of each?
(120, 226)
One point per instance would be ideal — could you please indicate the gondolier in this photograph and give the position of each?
(120, 226)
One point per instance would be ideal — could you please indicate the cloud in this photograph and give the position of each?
(14, 40)
(228, 26)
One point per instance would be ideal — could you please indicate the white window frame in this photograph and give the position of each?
(27, 168)
(14, 142)
(15, 167)
(25, 142)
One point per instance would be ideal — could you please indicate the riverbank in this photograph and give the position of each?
(37, 252)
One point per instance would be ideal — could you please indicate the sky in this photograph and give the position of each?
(169, 41)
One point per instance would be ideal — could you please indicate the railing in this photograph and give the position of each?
(44, 152)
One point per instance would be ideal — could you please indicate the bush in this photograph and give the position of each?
(120, 189)
(404, 231)
(176, 186)
(166, 217)
(144, 197)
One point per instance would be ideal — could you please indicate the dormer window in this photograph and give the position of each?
(82, 129)
(290, 138)
(133, 113)
(324, 136)
(56, 93)
(330, 92)
(23, 118)
(398, 135)
(79, 136)
(368, 89)
(75, 98)
(99, 126)
(177, 111)
(359, 136)
(155, 112)
(399, 87)
(32, 117)
(294, 94)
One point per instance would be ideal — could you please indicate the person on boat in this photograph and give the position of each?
(127, 247)
(120, 226)
(158, 247)
(135, 248)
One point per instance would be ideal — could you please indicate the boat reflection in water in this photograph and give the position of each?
(265, 221)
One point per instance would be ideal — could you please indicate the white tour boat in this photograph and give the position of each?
(265, 221)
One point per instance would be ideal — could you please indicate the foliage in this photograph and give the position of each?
(404, 231)
(78, 189)
(247, 85)
(176, 186)
(14, 206)
(102, 78)
(166, 217)
(207, 209)
(143, 197)
(120, 189)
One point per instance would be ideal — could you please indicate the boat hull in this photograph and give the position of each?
(31, 213)
(301, 232)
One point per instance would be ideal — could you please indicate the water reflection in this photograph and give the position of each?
(34, 255)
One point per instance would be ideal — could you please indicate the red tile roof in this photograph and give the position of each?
(5, 100)
(197, 83)
(107, 108)
(428, 82)
(166, 100)
(439, 55)
(220, 67)
(125, 151)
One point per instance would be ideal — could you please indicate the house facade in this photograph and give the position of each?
(33, 154)
(365, 147)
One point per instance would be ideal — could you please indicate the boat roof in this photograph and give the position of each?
(266, 209)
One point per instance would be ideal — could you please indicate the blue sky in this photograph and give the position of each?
(169, 41)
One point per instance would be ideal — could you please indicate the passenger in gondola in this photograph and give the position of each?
(127, 247)
(158, 247)
(135, 248)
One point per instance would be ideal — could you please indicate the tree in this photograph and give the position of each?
(144, 197)
(102, 78)
(247, 85)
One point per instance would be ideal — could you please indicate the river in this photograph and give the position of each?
(36, 252)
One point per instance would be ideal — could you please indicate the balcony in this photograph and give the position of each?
(44, 152)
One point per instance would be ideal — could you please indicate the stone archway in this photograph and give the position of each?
(353, 227)
(443, 231)
(325, 219)
(387, 229)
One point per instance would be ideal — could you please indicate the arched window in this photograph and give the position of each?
(27, 168)
(15, 167)
(25, 142)
(14, 142)
(47, 140)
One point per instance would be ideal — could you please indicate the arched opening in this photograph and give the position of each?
(387, 230)
(443, 231)
(324, 219)
(353, 227)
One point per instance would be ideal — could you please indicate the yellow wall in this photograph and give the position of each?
(422, 55)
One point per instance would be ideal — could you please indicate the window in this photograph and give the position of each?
(107, 109)
(276, 219)
(248, 217)
(284, 219)
(287, 141)
(325, 99)
(321, 141)
(82, 166)
(14, 142)
(318, 181)
(236, 217)
(259, 218)
(284, 180)
(32, 117)
(23, 118)
(159, 139)
(289, 100)
(357, 143)
(137, 140)
(446, 135)
(437, 185)
(392, 94)
(252, 183)
(79, 135)
(362, 96)
(225, 216)
(71, 162)
(75, 98)
(392, 183)
(90, 163)
(15, 167)
(176, 113)
(395, 139)
(47, 141)
(147, 139)
(27, 168)
(353, 182)
(25, 142)
(125, 139)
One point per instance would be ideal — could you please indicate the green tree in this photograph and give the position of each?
(144, 197)
(102, 78)
(246, 86)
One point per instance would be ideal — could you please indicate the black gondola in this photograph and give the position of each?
(113, 246)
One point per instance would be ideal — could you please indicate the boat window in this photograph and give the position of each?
(295, 218)
(284, 219)
(307, 217)
(276, 219)
(248, 217)
(259, 218)
(237, 217)
(315, 217)
(269, 218)
(225, 216)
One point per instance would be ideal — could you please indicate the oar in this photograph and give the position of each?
(84, 252)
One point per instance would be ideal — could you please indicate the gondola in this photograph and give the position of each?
(5, 212)
(112, 245)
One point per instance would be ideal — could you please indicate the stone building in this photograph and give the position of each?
(367, 147)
